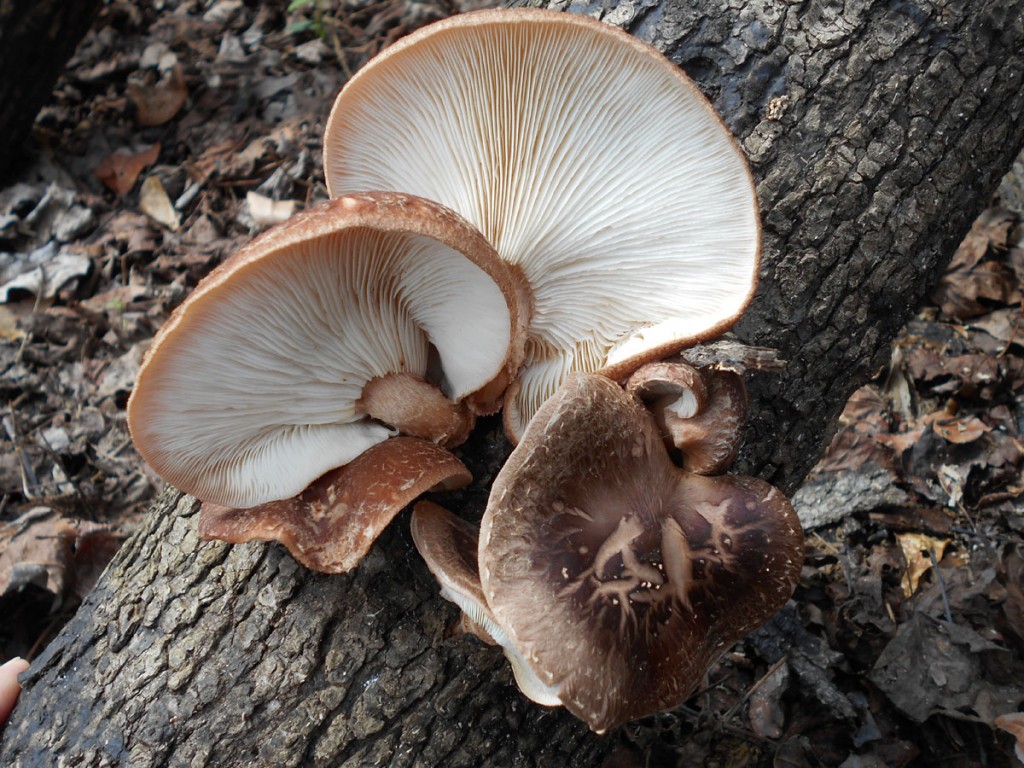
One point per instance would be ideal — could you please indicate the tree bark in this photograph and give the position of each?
(877, 129)
(36, 39)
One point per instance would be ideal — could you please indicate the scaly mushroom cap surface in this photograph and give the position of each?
(619, 577)
(589, 161)
(302, 350)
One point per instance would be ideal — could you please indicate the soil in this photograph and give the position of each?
(182, 128)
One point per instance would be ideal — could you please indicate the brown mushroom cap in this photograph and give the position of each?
(312, 344)
(619, 577)
(331, 525)
(592, 164)
(704, 423)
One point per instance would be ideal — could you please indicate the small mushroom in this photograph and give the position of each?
(448, 545)
(593, 165)
(313, 343)
(618, 577)
(700, 413)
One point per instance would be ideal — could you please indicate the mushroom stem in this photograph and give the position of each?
(416, 408)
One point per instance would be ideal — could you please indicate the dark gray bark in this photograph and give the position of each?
(877, 130)
(36, 38)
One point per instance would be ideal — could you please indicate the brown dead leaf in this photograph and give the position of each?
(970, 293)
(155, 203)
(1013, 724)
(932, 667)
(957, 429)
(156, 104)
(917, 550)
(59, 554)
(990, 232)
(1004, 325)
(901, 442)
(122, 167)
(978, 277)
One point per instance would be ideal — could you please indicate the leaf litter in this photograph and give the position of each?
(181, 128)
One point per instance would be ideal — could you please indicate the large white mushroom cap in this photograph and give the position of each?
(252, 389)
(588, 160)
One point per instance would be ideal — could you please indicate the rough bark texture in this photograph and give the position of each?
(36, 38)
(877, 130)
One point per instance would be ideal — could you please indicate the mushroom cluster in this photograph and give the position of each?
(561, 208)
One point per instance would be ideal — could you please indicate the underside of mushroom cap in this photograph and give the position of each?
(618, 576)
(586, 158)
(250, 390)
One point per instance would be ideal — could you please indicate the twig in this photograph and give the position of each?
(942, 583)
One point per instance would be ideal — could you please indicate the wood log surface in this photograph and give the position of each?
(36, 39)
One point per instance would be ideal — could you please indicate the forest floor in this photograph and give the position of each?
(181, 128)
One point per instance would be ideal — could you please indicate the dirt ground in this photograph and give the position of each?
(182, 128)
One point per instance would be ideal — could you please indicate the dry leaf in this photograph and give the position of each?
(41, 547)
(9, 330)
(959, 429)
(934, 667)
(154, 202)
(156, 104)
(265, 211)
(766, 712)
(122, 167)
(916, 551)
(1013, 724)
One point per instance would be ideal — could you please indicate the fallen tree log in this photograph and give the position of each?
(36, 39)
(876, 131)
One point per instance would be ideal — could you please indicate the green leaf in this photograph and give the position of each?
(297, 27)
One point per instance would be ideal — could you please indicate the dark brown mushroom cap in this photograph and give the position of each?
(330, 526)
(618, 576)
(704, 421)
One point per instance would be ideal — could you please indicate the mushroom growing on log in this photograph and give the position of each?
(312, 346)
(873, 154)
(700, 413)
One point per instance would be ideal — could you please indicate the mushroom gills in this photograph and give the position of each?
(252, 390)
(516, 119)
